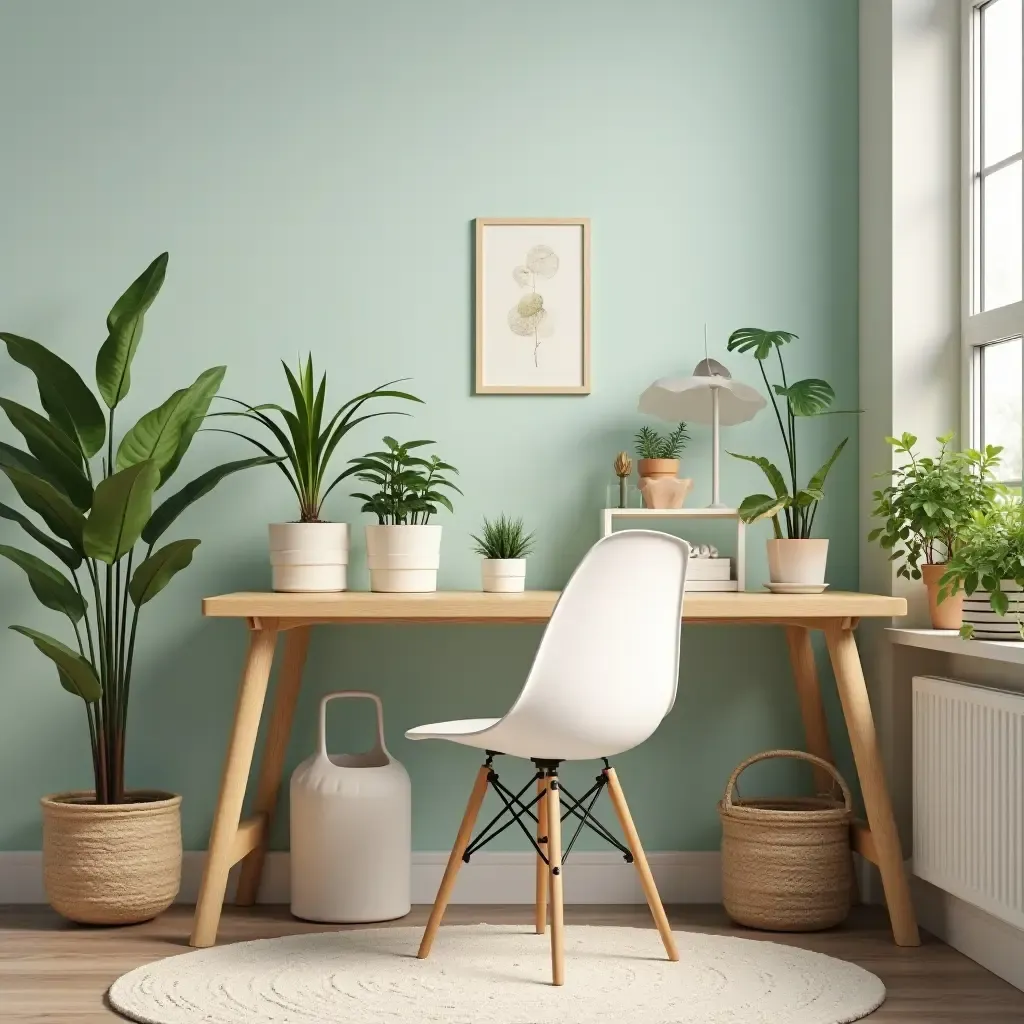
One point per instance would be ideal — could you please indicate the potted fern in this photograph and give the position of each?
(504, 544)
(403, 551)
(658, 467)
(309, 555)
(111, 855)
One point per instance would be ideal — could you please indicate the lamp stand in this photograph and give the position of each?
(715, 502)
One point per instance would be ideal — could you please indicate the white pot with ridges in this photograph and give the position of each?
(503, 575)
(403, 559)
(309, 557)
(504, 543)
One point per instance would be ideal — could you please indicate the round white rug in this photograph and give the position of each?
(486, 974)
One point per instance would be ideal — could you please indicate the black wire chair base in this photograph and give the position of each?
(513, 810)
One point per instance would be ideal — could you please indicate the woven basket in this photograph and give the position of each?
(111, 863)
(786, 863)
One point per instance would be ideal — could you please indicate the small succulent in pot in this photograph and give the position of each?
(504, 544)
(658, 467)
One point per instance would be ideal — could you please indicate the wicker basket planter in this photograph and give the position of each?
(111, 863)
(786, 863)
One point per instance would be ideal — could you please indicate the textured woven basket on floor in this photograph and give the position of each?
(111, 863)
(786, 863)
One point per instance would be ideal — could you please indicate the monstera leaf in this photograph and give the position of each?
(762, 343)
(809, 397)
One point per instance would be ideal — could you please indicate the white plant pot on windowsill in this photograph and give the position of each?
(309, 557)
(403, 559)
(503, 575)
(800, 562)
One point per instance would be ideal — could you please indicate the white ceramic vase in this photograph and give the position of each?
(403, 559)
(309, 557)
(987, 624)
(503, 575)
(797, 561)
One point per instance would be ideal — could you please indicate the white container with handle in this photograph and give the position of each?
(351, 831)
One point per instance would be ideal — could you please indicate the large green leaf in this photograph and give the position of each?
(165, 515)
(761, 506)
(65, 396)
(775, 477)
(817, 482)
(809, 397)
(124, 327)
(57, 453)
(76, 674)
(72, 559)
(157, 435)
(63, 519)
(53, 588)
(201, 400)
(120, 511)
(157, 571)
(762, 343)
(16, 458)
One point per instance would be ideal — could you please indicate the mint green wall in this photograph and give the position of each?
(313, 169)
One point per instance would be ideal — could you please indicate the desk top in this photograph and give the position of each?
(537, 605)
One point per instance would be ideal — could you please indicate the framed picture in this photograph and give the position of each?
(532, 306)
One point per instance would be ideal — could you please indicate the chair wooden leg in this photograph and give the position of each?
(451, 872)
(640, 860)
(555, 867)
(542, 867)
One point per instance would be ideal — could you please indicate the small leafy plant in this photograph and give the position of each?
(990, 549)
(408, 486)
(652, 445)
(307, 444)
(803, 398)
(503, 538)
(931, 501)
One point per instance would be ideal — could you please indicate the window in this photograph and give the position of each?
(994, 252)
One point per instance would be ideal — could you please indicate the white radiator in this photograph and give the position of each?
(969, 794)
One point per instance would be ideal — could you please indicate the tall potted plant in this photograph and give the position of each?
(795, 558)
(925, 509)
(111, 855)
(403, 551)
(310, 554)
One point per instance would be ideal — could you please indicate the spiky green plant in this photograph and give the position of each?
(503, 538)
(305, 443)
(652, 445)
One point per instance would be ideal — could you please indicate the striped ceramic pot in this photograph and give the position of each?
(987, 624)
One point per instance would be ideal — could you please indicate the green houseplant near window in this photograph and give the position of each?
(105, 561)
(794, 558)
(926, 508)
(309, 555)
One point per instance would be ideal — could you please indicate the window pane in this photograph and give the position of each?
(1001, 79)
(1001, 211)
(1002, 399)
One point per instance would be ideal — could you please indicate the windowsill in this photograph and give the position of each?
(949, 642)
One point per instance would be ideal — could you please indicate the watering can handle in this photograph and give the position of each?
(366, 695)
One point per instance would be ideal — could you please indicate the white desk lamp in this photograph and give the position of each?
(709, 396)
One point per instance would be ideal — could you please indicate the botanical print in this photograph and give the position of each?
(532, 329)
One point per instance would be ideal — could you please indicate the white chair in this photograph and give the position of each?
(604, 677)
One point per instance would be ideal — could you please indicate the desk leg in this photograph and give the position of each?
(853, 693)
(296, 644)
(223, 836)
(805, 675)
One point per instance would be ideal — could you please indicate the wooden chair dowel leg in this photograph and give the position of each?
(451, 872)
(555, 867)
(640, 862)
(541, 918)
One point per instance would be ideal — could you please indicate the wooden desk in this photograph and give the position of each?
(268, 614)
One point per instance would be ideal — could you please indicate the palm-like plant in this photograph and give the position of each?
(803, 398)
(503, 538)
(96, 516)
(306, 444)
(652, 445)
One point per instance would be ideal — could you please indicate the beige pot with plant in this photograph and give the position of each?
(658, 467)
(111, 855)
(926, 510)
(504, 544)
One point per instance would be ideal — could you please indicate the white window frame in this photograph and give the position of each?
(1006, 322)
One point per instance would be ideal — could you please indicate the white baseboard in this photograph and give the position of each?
(599, 877)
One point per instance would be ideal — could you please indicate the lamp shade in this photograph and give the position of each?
(691, 398)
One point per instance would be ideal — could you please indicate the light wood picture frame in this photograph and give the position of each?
(532, 305)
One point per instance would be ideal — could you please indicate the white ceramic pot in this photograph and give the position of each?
(309, 557)
(797, 561)
(503, 575)
(987, 624)
(403, 559)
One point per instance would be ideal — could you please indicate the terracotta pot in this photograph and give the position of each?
(949, 614)
(111, 863)
(659, 469)
(797, 561)
(660, 484)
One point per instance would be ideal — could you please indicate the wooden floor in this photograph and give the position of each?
(55, 972)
